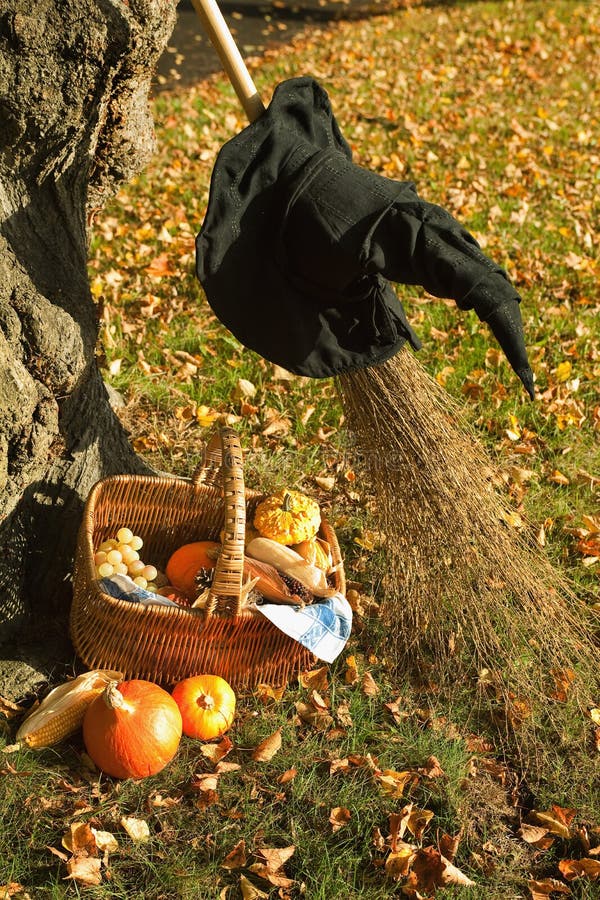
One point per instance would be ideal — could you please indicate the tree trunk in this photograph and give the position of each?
(74, 124)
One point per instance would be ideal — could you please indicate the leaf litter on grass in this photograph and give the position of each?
(422, 95)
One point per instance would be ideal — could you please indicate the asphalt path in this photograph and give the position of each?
(189, 57)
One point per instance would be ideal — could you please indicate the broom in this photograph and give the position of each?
(465, 593)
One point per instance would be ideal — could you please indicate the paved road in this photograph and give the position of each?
(256, 25)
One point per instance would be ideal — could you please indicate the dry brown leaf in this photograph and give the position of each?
(267, 749)
(369, 685)
(223, 767)
(430, 870)
(418, 820)
(249, 891)
(216, 752)
(80, 839)
(342, 714)
(270, 865)
(84, 870)
(9, 710)
(432, 768)
(448, 846)
(318, 718)
(394, 783)
(315, 679)
(279, 879)
(351, 676)
(287, 776)
(398, 862)
(537, 835)
(266, 692)
(541, 890)
(13, 891)
(276, 857)
(397, 825)
(236, 858)
(576, 868)
(338, 817)
(105, 841)
(557, 820)
(137, 829)
(398, 714)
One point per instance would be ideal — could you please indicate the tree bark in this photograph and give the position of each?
(74, 124)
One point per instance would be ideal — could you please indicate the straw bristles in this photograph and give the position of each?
(465, 593)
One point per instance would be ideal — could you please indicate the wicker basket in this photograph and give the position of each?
(163, 643)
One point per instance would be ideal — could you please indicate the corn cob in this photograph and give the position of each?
(61, 713)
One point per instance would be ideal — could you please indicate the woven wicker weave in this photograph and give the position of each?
(165, 644)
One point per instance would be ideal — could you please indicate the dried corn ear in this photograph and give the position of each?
(61, 713)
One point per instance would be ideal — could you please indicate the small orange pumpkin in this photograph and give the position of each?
(207, 706)
(171, 593)
(186, 562)
(132, 729)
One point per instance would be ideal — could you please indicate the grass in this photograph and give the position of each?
(489, 107)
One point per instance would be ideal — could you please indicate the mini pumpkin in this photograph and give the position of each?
(186, 562)
(207, 706)
(288, 517)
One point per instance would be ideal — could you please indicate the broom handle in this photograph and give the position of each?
(222, 40)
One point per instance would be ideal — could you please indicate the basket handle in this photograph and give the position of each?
(223, 461)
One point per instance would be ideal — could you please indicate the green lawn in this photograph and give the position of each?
(492, 109)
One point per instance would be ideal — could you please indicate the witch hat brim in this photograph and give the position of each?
(299, 245)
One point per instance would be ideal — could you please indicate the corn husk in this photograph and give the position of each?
(61, 713)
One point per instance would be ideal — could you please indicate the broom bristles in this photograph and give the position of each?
(464, 591)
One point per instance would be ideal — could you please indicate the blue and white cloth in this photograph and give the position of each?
(122, 587)
(322, 627)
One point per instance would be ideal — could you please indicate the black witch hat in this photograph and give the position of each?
(299, 245)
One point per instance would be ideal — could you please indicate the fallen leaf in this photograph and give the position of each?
(369, 686)
(432, 768)
(137, 829)
(394, 783)
(418, 820)
(537, 835)
(267, 749)
(105, 841)
(287, 776)
(13, 890)
(576, 868)
(398, 862)
(236, 858)
(319, 718)
(557, 820)
(448, 845)
(315, 679)
(397, 825)
(431, 870)
(338, 817)
(223, 767)
(351, 675)
(342, 715)
(541, 890)
(215, 752)
(249, 891)
(276, 857)
(84, 870)
(267, 692)
(80, 839)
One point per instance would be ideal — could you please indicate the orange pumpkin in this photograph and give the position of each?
(171, 593)
(187, 561)
(132, 729)
(207, 706)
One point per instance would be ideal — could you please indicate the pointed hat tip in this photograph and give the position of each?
(526, 376)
